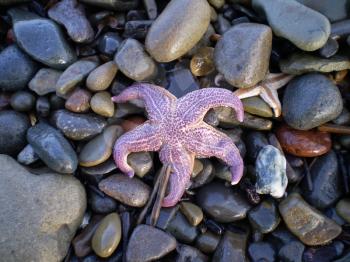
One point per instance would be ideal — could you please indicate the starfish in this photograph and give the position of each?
(267, 89)
(176, 129)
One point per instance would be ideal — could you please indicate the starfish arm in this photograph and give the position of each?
(143, 138)
(242, 93)
(181, 162)
(193, 106)
(206, 141)
(276, 81)
(270, 96)
(157, 100)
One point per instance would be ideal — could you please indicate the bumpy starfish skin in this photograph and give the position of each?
(176, 129)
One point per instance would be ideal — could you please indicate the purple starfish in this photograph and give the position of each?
(176, 129)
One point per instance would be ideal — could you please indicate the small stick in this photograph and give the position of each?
(308, 175)
(335, 129)
(343, 171)
(160, 196)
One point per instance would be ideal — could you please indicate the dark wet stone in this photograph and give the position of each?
(237, 52)
(341, 28)
(165, 216)
(56, 102)
(190, 254)
(42, 39)
(327, 185)
(78, 126)
(72, 16)
(344, 258)
(264, 217)
(261, 251)
(343, 118)
(13, 128)
(207, 242)
(149, 243)
(181, 82)
(101, 203)
(42, 106)
(118, 5)
(309, 37)
(95, 174)
(27, 156)
(22, 101)
(78, 101)
(311, 100)
(137, 29)
(330, 48)
(332, 214)
(323, 254)
(109, 43)
(52, 148)
(181, 229)
(222, 24)
(44, 81)
(222, 203)
(343, 209)
(254, 142)
(151, 8)
(292, 252)
(12, 2)
(16, 69)
(232, 247)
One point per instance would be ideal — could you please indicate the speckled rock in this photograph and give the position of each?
(177, 29)
(78, 101)
(101, 77)
(242, 54)
(44, 81)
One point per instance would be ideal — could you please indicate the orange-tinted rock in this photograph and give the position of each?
(302, 143)
(132, 122)
(78, 101)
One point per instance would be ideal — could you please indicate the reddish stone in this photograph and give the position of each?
(132, 122)
(309, 143)
(78, 101)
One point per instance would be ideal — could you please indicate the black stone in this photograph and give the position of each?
(109, 43)
(181, 82)
(181, 229)
(291, 252)
(43, 106)
(264, 217)
(101, 203)
(330, 48)
(261, 251)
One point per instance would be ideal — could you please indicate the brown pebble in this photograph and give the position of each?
(202, 63)
(101, 103)
(78, 101)
(192, 212)
(132, 122)
(101, 77)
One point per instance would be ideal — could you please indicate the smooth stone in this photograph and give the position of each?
(264, 217)
(343, 118)
(190, 254)
(73, 75)
(43, 106)
(166, 214)
(204, 42)
(148, 243)
(137, 29)
(181, 82)
(78, 101)
(101, 103)
(99, 149)
(261, 251)
(205, 176)
(330, 48)
(130, 191)
(107, 235)
(313, 33)
(141, 163)
(13, 128)
(82, 242)
(306, 222)
(222, 203)
(151, 8)
(118, 5)
(303, 143)
(44, 81)
(101, 77)
(192, 212)
(16, 69)
(95, 174)
(52, 148)
(207, 242)
(197, 168)
(323, 253)
(222, 25)
(341, 29)
(186, 20)
(333, 214)
(291, 252)
(255, 141)
(256, 106)
(232, 247)
(109, 43)
(78, 126)
(42, 39)
(101, 203)
(202, 62)
(327, 184)
(49, 207)
(242, 54)
(271, 177)
(27, 156)
(343, 209)
(310, 101)
(133, 61)
(181, 229)
(22, 101)
(71, 15)
(217, 3)
(300, 63)
(132, 122)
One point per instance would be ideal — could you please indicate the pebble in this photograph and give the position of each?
(256, 106)
(222, 25)
(242, 54)
(107, 235)
(22, 101)
(44, 81)
(43, 106)
(132, 192)
(255, 141)
(181, 82)
(222, 203)
(13, 128)
(204, 42)
(27, 156)
(323, 254)
(309, 37)
(166, 214)
(95, 174)
(101, 203)
(192, 17)
(306, 222)
(202, 63)
(118, 5)
(327, 184)
(291, 252)
(205, 176)
(141, 163)
(78, 126)
(73, 75)
(271, 174)
(16, 69)
(343, 209)
(192, 212)
(148, 243)
(330, 48)
(71, 15)
(52, 148)
(217, 3)
(181, 229)
(109, 43)
(264, 217)
(188, 253)
(197, 168)
(133, 61)
(300, 63)
(99, 149)
(311, 100)
(101, 103)
(49, 207)
(78, 101)
(42, 39)
(137, 29)
(261, 251)
(101, 77)
(207, 242)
